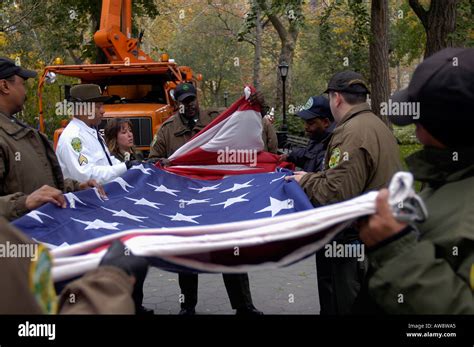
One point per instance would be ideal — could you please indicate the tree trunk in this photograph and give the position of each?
(288, 38)
(399, 78)
(379, 71)
(439, 22)
(258, 50)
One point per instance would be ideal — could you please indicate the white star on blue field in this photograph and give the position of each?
(147, 197)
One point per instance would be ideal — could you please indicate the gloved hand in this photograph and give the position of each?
(152, 161)
(130, 163)
(163, 161)
(134, 266)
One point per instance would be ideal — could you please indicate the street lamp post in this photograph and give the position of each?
(226, 96)
(283, 133)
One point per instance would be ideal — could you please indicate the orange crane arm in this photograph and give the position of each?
(114, 35)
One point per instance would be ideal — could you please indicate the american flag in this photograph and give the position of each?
(147, 197)
(249, 217)
(236, 224)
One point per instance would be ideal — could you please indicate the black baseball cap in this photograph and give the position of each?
(443, 87)
(349, 82)
(316, 107)
(184, 90)
(8, 68)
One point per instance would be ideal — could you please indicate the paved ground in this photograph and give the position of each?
(290, 290)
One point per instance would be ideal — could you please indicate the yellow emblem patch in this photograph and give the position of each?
(335, 158)
(82, 159)
(155, 138)
(41, 280)
(76, 144)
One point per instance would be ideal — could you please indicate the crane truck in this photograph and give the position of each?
(141, 88)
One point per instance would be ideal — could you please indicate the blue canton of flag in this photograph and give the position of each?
(147, 197)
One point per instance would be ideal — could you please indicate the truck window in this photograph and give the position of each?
(141, 89)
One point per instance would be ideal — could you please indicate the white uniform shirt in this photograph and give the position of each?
(82, 157)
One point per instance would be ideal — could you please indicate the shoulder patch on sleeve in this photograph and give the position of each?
(152, 144)
(82, 160)
(335, 157)
(41, 280)
(76, 144)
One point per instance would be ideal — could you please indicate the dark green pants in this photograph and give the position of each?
(339, 283)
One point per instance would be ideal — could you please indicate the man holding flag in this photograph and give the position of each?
(362, 155)
(83, 154)
(30, 174)
(30, 177)
(173, 134)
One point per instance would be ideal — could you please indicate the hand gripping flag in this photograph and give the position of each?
(238, 223)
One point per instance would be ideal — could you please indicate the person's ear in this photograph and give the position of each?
(338, 98)
(4, 87)
(325, 122)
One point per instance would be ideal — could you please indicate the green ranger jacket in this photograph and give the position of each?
(432, 273)
(174, 133)
(28, 287)
(362, 155)
(27, 162)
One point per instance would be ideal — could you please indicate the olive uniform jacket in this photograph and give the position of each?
(27, 162)
(269, 136)
(27, 287)
(432, 272)
(362, 155)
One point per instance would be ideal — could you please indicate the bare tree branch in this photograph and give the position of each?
(229, 29)
(22, 18)
(276, 22)
(420, 11)
(75, 58)
(264, 24)
(224, 10)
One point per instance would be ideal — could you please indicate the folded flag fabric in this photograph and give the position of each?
(147, 197)
(237, 224)
(230, 145)
(212, 210)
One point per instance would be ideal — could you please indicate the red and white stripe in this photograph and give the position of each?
(238, 128)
